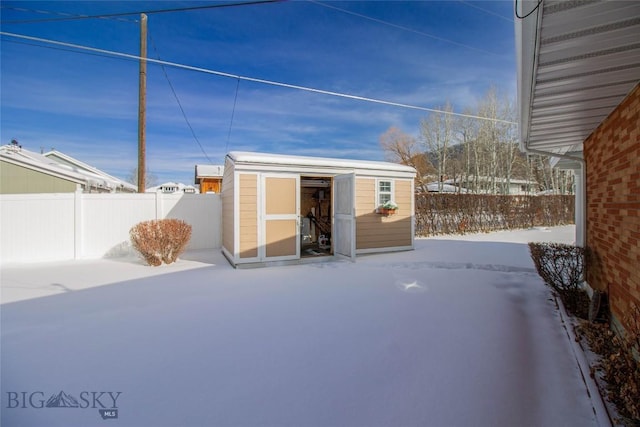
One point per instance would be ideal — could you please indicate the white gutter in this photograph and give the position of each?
(527, 81)
(581, 192)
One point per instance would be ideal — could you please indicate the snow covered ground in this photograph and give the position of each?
(459, 332)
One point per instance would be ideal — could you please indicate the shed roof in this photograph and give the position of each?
(209, 171)
(244, 157)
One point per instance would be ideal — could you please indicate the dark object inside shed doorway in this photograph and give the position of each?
(315, 216)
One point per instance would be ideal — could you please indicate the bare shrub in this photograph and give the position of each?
(160, 241)
(619, 363)
(562, 266)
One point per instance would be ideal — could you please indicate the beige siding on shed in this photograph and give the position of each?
(280, 233)
(228, 217)
(378, 231)
(280, 239)
(280, 196)
(248, 215)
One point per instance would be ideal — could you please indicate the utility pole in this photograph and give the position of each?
(142, 104)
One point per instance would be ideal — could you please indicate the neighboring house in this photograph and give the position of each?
(486, 185)
(434, 187)
(23, 171)
(579, 99)
(209, 178)
(172, 187)
(278, 208)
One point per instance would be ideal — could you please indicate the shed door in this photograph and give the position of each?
(281, 232)
(344, 222)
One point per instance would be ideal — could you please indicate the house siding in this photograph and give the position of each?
(375, 231)
(16, 179)
(612, 155)
(228, 217)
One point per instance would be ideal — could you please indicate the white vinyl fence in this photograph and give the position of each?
(65, 226)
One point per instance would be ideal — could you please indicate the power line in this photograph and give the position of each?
(67, 16)
(490, 12)
(70, 50)
(175, 95)
(515, 8)
(411, 30)
(233, 113)
(255, 80)
(114, 15)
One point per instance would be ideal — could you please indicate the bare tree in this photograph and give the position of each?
(151, 179)
(402, 148)
(489, 137)
(468, 131)
(437, 131)
(481, 155)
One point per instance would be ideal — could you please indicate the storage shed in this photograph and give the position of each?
(284, 209)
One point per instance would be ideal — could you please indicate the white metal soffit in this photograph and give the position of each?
(588, 60)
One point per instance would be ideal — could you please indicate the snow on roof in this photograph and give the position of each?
(172, 187)
(35, 161)
(69, 168)
(209, 170)
(287, 160)
(514, 181)
(446, 188)
(84, 168)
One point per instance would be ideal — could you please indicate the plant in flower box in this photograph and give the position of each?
(389, 208)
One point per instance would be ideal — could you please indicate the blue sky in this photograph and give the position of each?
(86, 105)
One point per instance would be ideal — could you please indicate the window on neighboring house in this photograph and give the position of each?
(385, 191)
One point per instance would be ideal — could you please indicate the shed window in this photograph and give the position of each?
(385, 191)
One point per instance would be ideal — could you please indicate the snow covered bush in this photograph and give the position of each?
(160, 241)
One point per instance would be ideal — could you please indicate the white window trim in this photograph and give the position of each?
(393, 188)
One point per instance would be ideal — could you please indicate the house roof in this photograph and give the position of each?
(577, 60)
(180, 187)
(86, 169)
(434, 187)
(316, 162)
(37, 162)
(514, 181)
(62, 166)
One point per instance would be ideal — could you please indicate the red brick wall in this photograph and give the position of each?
(612, 155)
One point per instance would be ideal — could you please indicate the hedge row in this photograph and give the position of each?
(470, 213)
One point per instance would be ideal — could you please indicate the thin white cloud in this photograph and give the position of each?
(87, 106)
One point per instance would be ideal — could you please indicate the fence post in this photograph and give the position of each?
(77, 223)
(158, 201)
